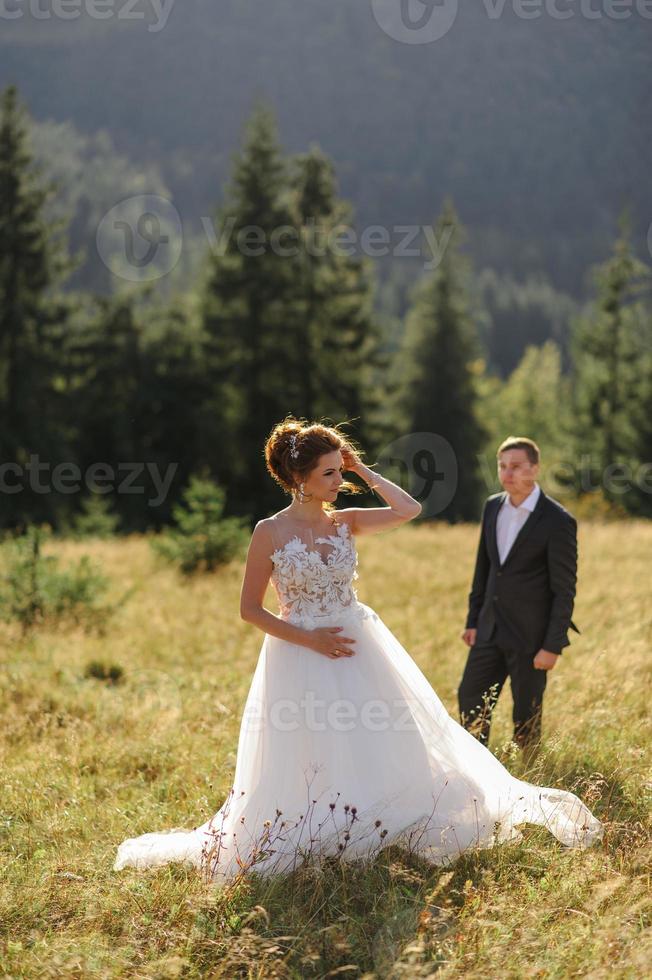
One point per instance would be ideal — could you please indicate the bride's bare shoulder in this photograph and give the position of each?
(270, 528)
(262, 534)
(273, 524)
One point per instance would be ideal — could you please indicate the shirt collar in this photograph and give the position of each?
(530, 501)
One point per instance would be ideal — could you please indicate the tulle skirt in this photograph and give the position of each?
(343, 757)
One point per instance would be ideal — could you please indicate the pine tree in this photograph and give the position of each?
(641, 502)
(338, 337)
(106, 398)
(33, 263)
(441, 354)
(252, 357)
(174, 388)
(611, 362)
(134, 388)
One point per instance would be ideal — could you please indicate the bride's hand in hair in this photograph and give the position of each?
(350, 458)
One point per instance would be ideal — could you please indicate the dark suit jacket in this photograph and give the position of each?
(526, 603)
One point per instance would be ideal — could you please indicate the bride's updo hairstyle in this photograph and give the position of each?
(312, 441)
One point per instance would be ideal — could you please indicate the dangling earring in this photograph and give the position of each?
(302, 496)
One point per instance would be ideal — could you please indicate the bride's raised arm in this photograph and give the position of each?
(401, 507)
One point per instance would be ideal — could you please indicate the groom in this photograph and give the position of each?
(521, 600)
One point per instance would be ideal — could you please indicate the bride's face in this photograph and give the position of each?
(325, 480)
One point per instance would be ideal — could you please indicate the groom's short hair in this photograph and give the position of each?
(521, 442)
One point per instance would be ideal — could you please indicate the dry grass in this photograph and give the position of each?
(86, 763)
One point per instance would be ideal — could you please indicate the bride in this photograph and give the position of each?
(342, 759)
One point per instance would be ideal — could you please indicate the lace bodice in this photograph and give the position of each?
(313, 583)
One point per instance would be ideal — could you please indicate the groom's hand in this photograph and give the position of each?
(469, 637)
(545, 660)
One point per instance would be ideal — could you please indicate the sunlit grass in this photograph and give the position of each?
(87, 762)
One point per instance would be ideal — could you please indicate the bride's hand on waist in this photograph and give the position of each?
(328, 641)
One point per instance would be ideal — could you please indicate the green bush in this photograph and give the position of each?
(34, 589)
(203, 539)
(97, 519)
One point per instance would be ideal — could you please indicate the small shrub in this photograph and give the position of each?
(202, 538)
(34, 589)
(97, 519)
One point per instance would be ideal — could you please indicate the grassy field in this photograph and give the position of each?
(86, 763)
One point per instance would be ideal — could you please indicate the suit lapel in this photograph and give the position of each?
(491, 528)
(532, 520)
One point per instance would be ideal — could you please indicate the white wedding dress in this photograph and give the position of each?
(343, 757)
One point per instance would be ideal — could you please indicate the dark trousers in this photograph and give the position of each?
(487, 668)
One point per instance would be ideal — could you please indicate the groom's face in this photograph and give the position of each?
(515, 471)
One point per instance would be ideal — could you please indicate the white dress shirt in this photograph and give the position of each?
(511, 519)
